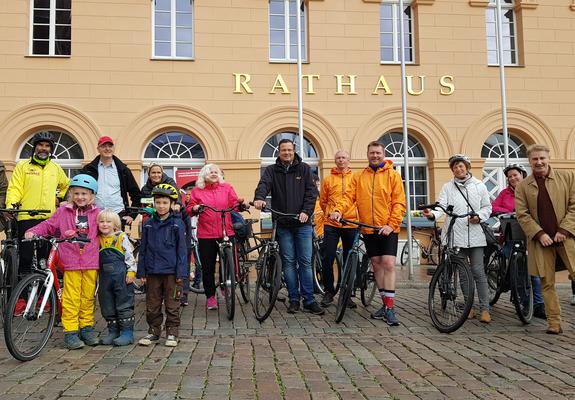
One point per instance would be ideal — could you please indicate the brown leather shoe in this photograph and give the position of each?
(554, 329)
(485, 317)
(472, 314)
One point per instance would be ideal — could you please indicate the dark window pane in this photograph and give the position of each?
(41, 3)
(63, 17)
(64, 4)
(63, 48)
(63, 32)
(41, 32)
(40, 47)
(41, 16)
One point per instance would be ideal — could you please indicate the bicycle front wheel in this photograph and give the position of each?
(404, 253)
(244, 277)
(346, 288)
(317, 271)
(26, 331)
(521, 291)
(368, 283)
(451, 292)
(495, 273)
(268, 283)
(229, 281)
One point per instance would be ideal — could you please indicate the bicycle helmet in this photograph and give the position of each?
(85, 181)
(44, 136)
(459, 157)
(166, 190)
(517, 167)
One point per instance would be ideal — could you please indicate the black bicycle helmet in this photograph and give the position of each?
(459, 157)
(517, 167)
(43, 136)
(164, 189)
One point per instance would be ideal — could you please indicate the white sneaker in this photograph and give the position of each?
(573, 300)
(171, 341)
(148, 339)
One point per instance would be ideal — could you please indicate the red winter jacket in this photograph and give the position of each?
(219, 196)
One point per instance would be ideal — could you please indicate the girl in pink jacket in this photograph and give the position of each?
(213, 191)
(78, 260)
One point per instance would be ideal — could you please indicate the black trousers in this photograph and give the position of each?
(208, 249)
(331, 238)
(27, 249)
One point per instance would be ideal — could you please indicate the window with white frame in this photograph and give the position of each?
(390, 33)
(51, 28)
(394, 151)
(67, 152)
(509, 33)
(173, 29)
(493, 151)
(283, 30)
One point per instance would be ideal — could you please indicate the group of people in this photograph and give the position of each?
(94, 205)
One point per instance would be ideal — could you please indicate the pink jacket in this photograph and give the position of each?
(219, 196)
(69, 256)
(505, 202)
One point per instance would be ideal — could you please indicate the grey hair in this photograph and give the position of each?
(201, 183)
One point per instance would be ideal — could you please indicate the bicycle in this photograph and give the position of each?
(10, 253)
(430, 251)
(27, 331)
(352, 279)
(269, 271)
(230, 272)
(317, 265)
(511, 273)
(447, 310)
(245, 262)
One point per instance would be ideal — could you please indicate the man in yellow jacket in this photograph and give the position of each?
(331, 193)
(34, 184)
(378, 193)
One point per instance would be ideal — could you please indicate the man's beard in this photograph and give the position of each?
(43, 155)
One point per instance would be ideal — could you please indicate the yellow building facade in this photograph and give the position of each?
(151, 72)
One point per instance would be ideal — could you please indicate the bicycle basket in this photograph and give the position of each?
(242, 229)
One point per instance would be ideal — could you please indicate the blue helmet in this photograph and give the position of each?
(85, 181)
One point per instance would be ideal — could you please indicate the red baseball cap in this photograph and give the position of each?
(105, 139)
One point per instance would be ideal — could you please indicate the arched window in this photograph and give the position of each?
(270, 150)
(175, 151)
(393, 143)
(493, 152)
(67, 152)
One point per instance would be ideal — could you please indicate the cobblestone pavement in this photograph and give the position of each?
(303, 356)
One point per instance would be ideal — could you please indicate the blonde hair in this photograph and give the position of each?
(110, 215)
(537, 147)
(201, 182)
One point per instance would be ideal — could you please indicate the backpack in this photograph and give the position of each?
(242, 229)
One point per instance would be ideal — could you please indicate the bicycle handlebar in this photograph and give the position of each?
(238, 207)
(55, 240)
(19, 211)
(447, 210)
(140, 210)
(281, 214)
(358, 223)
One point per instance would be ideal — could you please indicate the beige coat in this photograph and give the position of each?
(561, 188)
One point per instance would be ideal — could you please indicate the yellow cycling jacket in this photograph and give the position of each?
(35, 187)
(333, 188)
(379, 197)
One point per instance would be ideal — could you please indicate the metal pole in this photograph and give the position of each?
(499, 27)
(299, 83)
(405, 137)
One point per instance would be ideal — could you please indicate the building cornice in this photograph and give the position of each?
(519, 4)
(479, 3)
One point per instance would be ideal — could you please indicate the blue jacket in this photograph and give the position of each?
(163, 248)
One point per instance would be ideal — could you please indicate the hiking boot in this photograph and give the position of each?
(72, 340)
(327, 299)
(20, 308)
(313, 308)
(390, 317)
(293, 307)
(126, 337)
(113, 333)
(171, 341)
(89, 336)
(379, 314)
(485, 317)
(212, 303)
(149, 339)
(472, 314)
(539, 311)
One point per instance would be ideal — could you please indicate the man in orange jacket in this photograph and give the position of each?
(378, 193)
(332, 191)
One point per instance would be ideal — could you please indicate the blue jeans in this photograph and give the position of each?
(537, 295)
(295, 250)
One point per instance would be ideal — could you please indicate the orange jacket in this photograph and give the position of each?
(332, 190)
(379, 196)
(318, 219)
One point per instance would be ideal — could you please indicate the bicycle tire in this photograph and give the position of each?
(11, 272)
(338, 265)
(521, 290)
(494, 271)
(229, 282)
(347, 282)
(434, 254)
(317, 271)
(404, 253)
(244, 278)
(450, 277)
(25, 343)
(268, 284)
(197, 264)
(368, 283)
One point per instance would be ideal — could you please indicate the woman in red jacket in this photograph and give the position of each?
(213, 191)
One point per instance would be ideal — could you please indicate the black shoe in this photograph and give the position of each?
(293, 307)
(351, 304)
(313, 308)
(539, 311)
(327, 299)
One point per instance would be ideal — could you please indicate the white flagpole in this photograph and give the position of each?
(499, 27)
(299, 83)
(405, 138)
